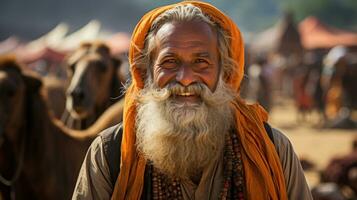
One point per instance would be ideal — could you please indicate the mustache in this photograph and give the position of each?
(195, 88)
(220, 96)
(161, 94)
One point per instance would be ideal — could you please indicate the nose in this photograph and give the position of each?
(186, 75)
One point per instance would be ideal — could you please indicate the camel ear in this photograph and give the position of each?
(33, 83)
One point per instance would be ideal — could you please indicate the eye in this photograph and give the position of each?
(169, 63)
(199, 60)
(201, 64)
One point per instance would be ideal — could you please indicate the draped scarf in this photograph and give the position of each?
(264, 178)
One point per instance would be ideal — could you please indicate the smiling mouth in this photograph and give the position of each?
(187, 97)
(186, 94)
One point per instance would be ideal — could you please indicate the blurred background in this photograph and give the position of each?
(301, 65)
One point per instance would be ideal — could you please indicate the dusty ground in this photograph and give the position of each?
(317, 145)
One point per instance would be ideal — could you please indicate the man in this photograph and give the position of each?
(186, 134)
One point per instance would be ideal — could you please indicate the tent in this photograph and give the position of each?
(282, 38)
(118, 43)
(9, 45)
(316, 35)
(50, 39)
(88, 32)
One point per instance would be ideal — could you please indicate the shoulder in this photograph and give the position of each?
(285, 150)
(280, 140)
(111, 144)
(111, 139)
(111, 134)
(106, 138)
(95, 177)
(296, 184)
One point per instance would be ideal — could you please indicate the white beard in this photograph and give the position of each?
(180, 139)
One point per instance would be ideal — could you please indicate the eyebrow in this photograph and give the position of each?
(203, 54)
(164, 55)
(168, 54)
(200, 54)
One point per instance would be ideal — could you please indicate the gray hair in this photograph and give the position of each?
(186, 13)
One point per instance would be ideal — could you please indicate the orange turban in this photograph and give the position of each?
(263, 172)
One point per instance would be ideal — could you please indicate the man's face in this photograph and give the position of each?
(186, 53)
(184, 112)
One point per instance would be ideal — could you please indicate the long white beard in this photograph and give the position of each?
(180, 139)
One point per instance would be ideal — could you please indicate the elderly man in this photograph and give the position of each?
(186, 133)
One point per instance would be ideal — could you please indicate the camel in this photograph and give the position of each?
(54, 92)
(95, 83)
(39, 157)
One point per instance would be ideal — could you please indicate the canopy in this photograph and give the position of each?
(282, 38)
(314, 35)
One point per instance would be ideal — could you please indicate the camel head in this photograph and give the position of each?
(91, 70)
(15, 87)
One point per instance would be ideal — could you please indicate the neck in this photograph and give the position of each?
(38, 166)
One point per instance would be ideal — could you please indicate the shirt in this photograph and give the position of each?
(94, 180)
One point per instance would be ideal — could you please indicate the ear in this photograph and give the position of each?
(33, 83)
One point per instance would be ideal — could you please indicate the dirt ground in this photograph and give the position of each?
(312, 143)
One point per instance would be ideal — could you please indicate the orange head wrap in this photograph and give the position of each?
(263, 172)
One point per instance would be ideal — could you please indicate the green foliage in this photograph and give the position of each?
(340, 13)
(256, 15)
(250, 15)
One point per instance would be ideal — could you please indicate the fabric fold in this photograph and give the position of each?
(263, 172)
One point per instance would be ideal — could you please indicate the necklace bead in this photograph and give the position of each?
(164, 187)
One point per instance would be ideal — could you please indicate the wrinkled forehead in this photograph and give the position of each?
(189, 38)
(189, 30)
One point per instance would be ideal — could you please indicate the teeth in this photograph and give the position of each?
(186, 94)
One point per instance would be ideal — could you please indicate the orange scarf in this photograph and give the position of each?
(263, 172)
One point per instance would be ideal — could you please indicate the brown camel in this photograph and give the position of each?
(54, 92)
(39, 157)
(95, 84)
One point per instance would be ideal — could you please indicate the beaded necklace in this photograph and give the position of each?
(164, 187)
